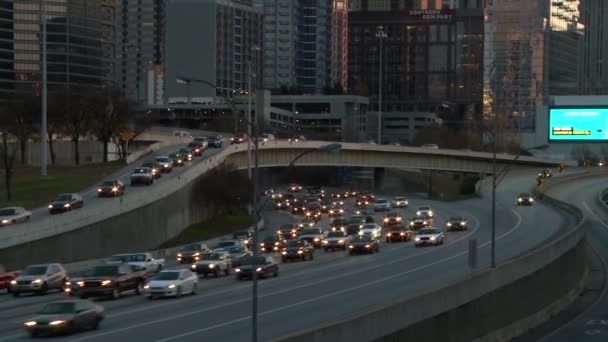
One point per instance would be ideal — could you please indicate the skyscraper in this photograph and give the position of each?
(594, 78)
(80, 44)
(140, 43)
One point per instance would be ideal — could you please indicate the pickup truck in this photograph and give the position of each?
(6, 277)
(141, 260)
(111, 281)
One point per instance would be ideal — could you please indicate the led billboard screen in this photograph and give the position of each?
(578, 124)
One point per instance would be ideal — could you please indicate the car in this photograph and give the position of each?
(70, 287)
(272, 244)
(418, 222)
(244, 235)
(546, 173)
(202, 140)
(177, 159)
(336, 240)
(363, 244)
(399, 202)
(368, 196)
(39, 279)
(338, 224)
(165, 162)
(111, 188)
(182, 134)
(335, 211)
(275, 195)
(362, 202)
(313, 214)
(6, 277)
(362, 212)
(313, 205)
(215, 141)
(294, 188)
(215, 263)
(297, 138)
(140, 260)
(264, 137)
(337, 203)
(65, 316)
(112, 280)
(382, 205)
(391, 219)
(398, 232)
(197, 148)
(191, 253)
(173, 283)
(355, 223)
(429, 236)
(325, 205)
(316, 191)
(186, 153)
(230, 243)
(299, 209)
(297, 250)
(155, 167)
(263, 266)
(13, 215)
(314, 236)
(288, 231)
(238, 139)
(285, 201)
(306, 223)
(237, 253)
(425, 212)
(370, 219)
(525, 199)
(65, 202)
(372, 230)
(456, 223)
(142, 175)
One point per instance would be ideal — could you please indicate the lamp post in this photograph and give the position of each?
(496, 179)
(380, 34)
(250, 75)
(43, 126)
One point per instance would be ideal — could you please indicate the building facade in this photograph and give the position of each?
(214, 41)
(80, 44)
(140, 44)
(594, 15)
(432, 57)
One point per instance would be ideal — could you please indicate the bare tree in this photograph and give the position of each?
(77, 118)
(24, 109)
(58, 106)
(111, 115)
(8, 155)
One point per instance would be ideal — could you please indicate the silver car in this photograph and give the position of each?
(166, 164)
(39, 279)
(14, 215)
(142, 175)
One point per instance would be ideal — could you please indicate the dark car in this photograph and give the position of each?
(65, 202)
(417, 223)
(313, 214)
(363, 244)
(238, 139)
(391, 219)
(263, 266)
(298, 209)
(215, 141)
(297, 250)
(191, 253)
(272, 244)
(111, 281)
(335, 211)
(177, 159)
(316, 191)
(362, 202)
(287, 231)
(65, 317)
(155, 167)
(456, 223)
(370, 219)
(197, 148)
(187, 153)
(546, 173)
(111, 188)
(398, 233)
(338, 224)
(294, 188)
(525, 199)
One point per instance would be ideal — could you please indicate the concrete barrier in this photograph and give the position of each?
(143, 152)
(489, 305)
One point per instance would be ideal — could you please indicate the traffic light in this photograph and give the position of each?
(539, 181)
(585, 163)
(560, 167)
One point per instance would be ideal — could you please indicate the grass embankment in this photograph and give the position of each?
(30, 190)
(446, 185)
(212, 228)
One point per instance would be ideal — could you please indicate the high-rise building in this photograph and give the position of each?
(80, 44)
(594, 15)
(533, 49)
(431, 61)
(305, 44)
(214, 41)
(140, 44)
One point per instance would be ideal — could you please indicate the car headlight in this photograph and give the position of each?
(179, 255)
(385, 220)
(284, 252)
(276, 243)
(423, 222)
(388, 234)
(37, 281)
(449, 224)
(106, 282)
(340, 241)
(519, 200)
(50, 206)
(417, 239)
(99, 190)
(237, 270)
(172, 286)
(317, 240)
(67, 205)
(211, 265)
(114, 189)
(300, 252)
(430, 213)
(432, 238)
(80, 283)
(351, 246)
(402, 233)
(30, 323)
(166, 166)
(259, 269)
(325, 242)
(197, 254)
(57, 322)
(531, 199)
(418, 212)
(463, 223)
(13, 282)
(147, 286)
(193, 266)
(367, 246)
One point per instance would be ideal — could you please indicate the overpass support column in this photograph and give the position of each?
(430, 183)
(379, 173)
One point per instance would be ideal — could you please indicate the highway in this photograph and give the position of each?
(333, 285)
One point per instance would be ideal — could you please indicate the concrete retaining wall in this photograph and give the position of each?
(489, 305)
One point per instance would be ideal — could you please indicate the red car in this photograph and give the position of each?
(6, 277)
(238, 139)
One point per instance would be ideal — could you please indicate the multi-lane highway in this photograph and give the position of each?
(332, 286)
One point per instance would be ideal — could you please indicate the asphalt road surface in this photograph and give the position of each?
(331, 286)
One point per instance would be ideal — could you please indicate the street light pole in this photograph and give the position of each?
(494, 146)
(380, 35)
(255, 213)
(249, 116)
(43, 126)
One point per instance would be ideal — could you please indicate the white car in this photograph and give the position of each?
(371, 229)
(12, 215)
(399, 202)
(142, 175)
(202, 140)
(382, 205)
(166, 164)
(336, 240)
(429, 236)
(215, 262)
(139, 260)
(424, 212)
(171, 283)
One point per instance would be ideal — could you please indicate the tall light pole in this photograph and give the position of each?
(43, 125)
(250, 75)
(380, 34)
